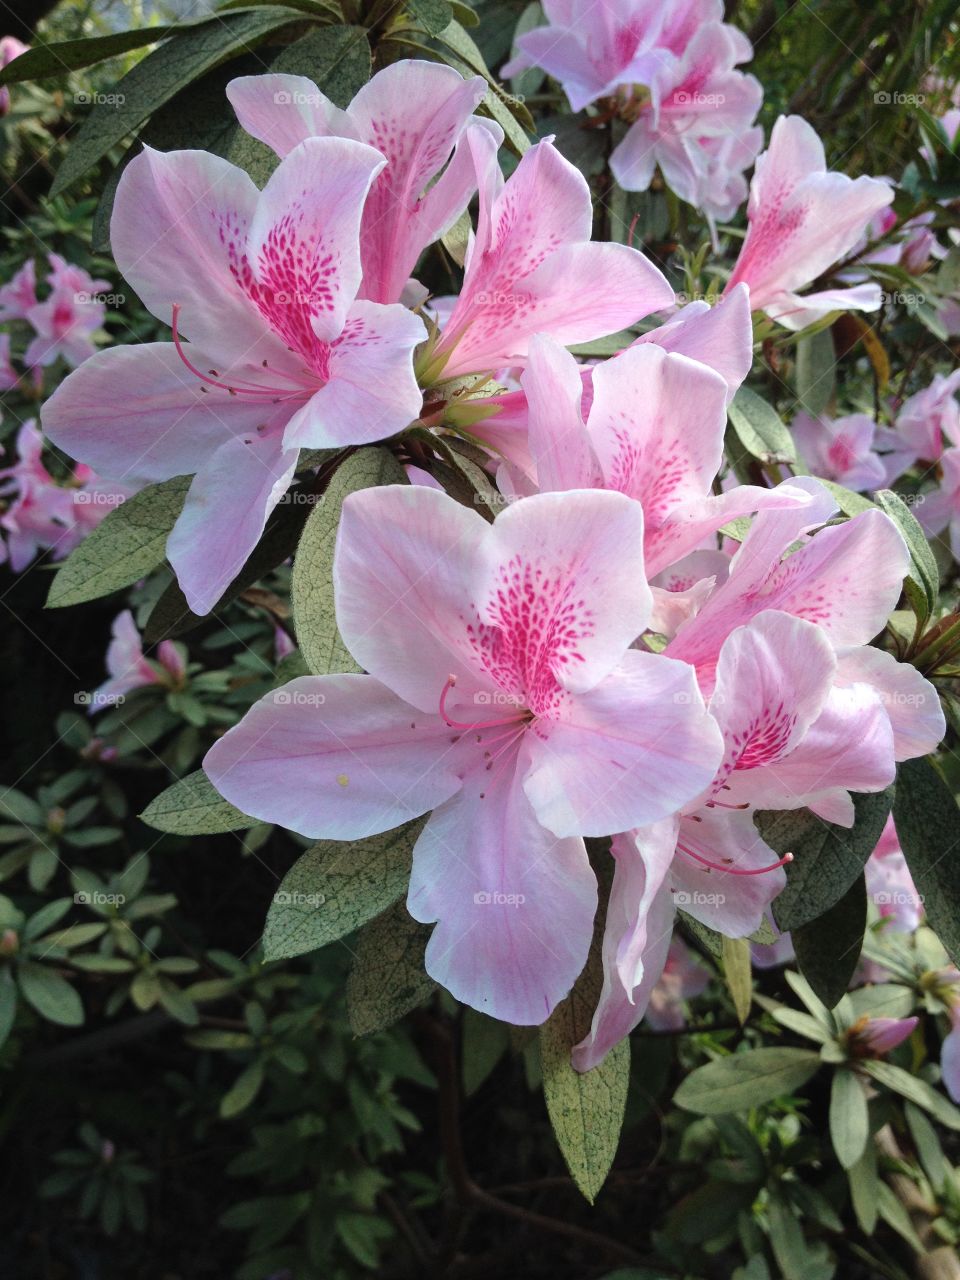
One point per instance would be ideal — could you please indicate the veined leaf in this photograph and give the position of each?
(388, 978)
(194, 807)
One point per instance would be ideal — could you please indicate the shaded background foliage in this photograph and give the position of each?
(216, 1116)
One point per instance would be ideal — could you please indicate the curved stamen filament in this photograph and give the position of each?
(244, 388)
(731, 870)
(478, 724)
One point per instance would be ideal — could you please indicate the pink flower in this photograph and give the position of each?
(416, 113)
(683, 977)
(940, 509)
(129, 669)
(926, 417)
(802, 219)
(38, 516)
(280, 355)
(874, 1037)
(697, 126)
(532, 268)
(8, 375)
(840, 449)
(593, 50)
(890, 884)
(19, 295)
(10, 48)
(654, 432)
(67, 317)
(549, 727)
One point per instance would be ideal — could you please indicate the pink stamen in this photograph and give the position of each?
(246, 388)
(735, 871)
(479, 724)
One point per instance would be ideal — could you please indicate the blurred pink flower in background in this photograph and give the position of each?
(683, 977)
(129, 669)
(840, 449)
(10, 48)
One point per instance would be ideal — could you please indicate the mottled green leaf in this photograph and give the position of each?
(194, 807)
(388, 979)
(828, 948)
(928, 827)
(745, 1080)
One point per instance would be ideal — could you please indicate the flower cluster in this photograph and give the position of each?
(603, 660)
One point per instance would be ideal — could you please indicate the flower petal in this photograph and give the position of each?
(335, 757)
(282, 111)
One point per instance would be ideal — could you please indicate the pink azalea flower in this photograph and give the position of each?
(532, 268)
(840, 449)
(940, 509)
(654, 432)
(67, 317)
(8, 375)
(683, 978)
(927, 417)
(802, 219)
(549, 727)
(699, 103)
(594, 50)
(280, 355)
(19, 295)
(875, 1037)
(38, 516)
(128, 667)
(890, 884)
(415, 113)
(10, 48)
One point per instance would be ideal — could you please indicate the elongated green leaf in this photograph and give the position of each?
(923, 565)
(586, 1108)
(311, 588)
(194, 807)
(735, 958)
(8, 1003)
(816, 375)
(485, 1041)
(126, 546)
(157, 78)
(172, 616)
(336, 59)
(827, 859)
(760, 429)
(50, 994)
(850, 503)
(865, 1188)
(70, 55)
(433, 15)
(336, 887)
(913, 1088)
(746, 1080)
(849, 1117)
(928, 826)
(461, 52)
(388, 979)
(828, 948)
(245, 1088)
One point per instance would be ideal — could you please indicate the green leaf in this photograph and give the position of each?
(50, 994)
(849, 1117)
(245, 1089)
(759, 428)
(786, 1239)
(71, 55)
(337, 886)
(928, 827)
(311, 588)
(336, 59)
(433, 15)
(914, 1089)
(745, 1080)
(735, 960)
(923, 565)
(827, 859)
(172, 616)
(485, 1041)
(388, 978)
(828, 948)
(850, 503)
(194, 807)
(816, 375)
(8, 1003)
(157, 78)
(460, 52)
(586, 1108)
(927, 1143)
(865, 1189)
(124, 548)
